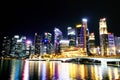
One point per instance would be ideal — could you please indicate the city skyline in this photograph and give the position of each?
(78, 37)
(64, 32)
(60, 40)
(27, 19)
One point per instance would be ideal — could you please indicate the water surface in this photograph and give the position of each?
(55, 70)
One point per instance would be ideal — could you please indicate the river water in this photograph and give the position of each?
(55, 70)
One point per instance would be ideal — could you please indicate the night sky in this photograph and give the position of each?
(26, 18)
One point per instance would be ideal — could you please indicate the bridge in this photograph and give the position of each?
(103, 60)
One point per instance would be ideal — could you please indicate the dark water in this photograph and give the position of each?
(55, 70)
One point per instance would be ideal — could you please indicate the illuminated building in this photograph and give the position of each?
(18, 47)
(64, 44)
(117, 44)
(71, 36)
(29, 47)
(21, 47)
(82, 36)
(111, 42)
(6, 45)
(13, 44)
(47, 44)
(48, 36)
(103, 37)
(92, 43)
(57, 38)
(37, 43)
(78, 34)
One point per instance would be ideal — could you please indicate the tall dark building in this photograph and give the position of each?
(6, 45)
(37, 43)
(78, 34)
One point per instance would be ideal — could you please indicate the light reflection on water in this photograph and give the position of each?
(55, 70)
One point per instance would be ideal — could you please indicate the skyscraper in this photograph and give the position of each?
(117, 44)
(86, 35)
(6, 45)
(57, 38)
(47, 44)
(79, 34)
(82, 36)
(18, 47)
(103, 37)
(71, 36)
(29, 47)
(14, 45)
(92, 43)
(111, 41)
(37, 43)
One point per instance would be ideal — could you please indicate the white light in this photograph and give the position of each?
(64, 41)
(71, 33)
(69, 28)
(45, 47)
(19, 40)
(84, 20)
(16, 36)
(24, 37)
(5, 37)
(118, 50)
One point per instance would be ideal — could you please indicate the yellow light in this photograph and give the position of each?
(79, 25)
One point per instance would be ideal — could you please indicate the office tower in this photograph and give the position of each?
(29, 47)
(111, 43)
(103, 37)
(37, 43)
(86, 35)
(79, 35)
(13, 45)
(57, 38)
(6, 45)
(71, 36)
(18, 47)
(21, 47)
(82, 34)
(47, 44)
(92, 43)
(117, 44)
(84, 24)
